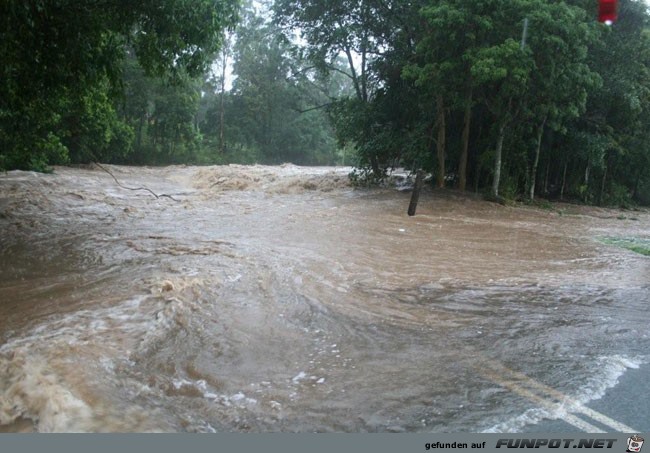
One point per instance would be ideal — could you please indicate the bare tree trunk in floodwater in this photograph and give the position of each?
(533, 171)
(497, 160)
(462, 165)
(566, 164)
(415, 195)
(440, 146)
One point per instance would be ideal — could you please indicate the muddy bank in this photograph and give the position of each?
(281, 299)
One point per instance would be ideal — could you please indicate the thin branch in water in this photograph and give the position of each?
(134, 188)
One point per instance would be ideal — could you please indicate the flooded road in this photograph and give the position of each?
(280, 299)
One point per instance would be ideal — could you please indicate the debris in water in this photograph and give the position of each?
(167, 286)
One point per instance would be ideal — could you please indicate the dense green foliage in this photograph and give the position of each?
(453, 87)
(134, 84)
(273, 113)
(450, 86)
(62, 62)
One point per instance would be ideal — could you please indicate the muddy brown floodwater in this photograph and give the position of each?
(280, 299)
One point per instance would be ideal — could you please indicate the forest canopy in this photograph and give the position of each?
(63, 68)
(513, 98)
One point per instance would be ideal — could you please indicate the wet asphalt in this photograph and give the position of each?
(628, 403)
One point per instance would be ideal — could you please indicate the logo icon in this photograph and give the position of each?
(634, 444)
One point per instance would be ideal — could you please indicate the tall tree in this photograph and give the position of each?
(502, 69)
(276, 105)
(453, 30)
(558, 40)
(52, 48)
(361, 31)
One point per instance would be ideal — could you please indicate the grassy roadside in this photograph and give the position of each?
(637, 245)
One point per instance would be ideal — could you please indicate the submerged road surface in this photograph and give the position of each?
(624, 407)
(281, 299)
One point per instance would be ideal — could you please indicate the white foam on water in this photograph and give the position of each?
(299, 377)
(30, 390)
(81, 326)
(38, 380)
(238, 397)
(179, 383)
(209, 428)
(610, 369)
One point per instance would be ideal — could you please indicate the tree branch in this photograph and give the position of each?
(133, 188)
(314, 108)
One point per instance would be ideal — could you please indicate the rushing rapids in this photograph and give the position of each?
(281, 299)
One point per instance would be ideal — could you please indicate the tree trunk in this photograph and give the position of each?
(374, 163)
(140, 126)
(415, 195)
(440, 146)
(635, 193)
(364, 74)
(353, 73)
(224, 60)
(462, 165)
(533, 171)
(548, 167)
(602, 186)
(497, 160)
(566, 163)
(477, 163)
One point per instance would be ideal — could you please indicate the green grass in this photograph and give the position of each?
(543, 204)
(637, 245)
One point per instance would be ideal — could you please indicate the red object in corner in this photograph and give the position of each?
(607, 10)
